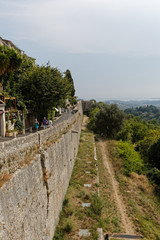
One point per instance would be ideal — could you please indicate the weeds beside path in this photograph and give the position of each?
(126, 222)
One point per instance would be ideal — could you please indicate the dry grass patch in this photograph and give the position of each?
(141, 182)
(28, 159)
(5, 177)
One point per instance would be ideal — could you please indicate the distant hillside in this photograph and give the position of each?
(133, 103)
(145, 112)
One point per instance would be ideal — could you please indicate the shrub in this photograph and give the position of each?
(154, 154)
(131, 159)
(19, 125)
(68, 227)
(67, 208)
(154, 175)
(97, 205)
(65, 202)
(59, 235)
(91, 125)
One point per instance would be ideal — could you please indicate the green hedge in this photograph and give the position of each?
(132, 161)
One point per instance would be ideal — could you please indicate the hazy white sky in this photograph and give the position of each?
(112, 47)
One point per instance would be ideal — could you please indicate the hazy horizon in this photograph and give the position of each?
(124, 99)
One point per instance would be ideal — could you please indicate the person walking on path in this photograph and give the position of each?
(36, 123)
(50, 124)
(45, 122)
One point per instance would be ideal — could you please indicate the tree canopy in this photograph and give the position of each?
(154, 154)
(9, 60)
(144, 138)
(106, 119)
(69, 78)
(37, 88)
(148, 112)
(138, 142)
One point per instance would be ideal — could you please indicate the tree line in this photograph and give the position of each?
(37, 88)
(147, 112)
(138, 140)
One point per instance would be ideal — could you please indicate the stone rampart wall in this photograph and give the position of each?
(14, 153)
(30, 202)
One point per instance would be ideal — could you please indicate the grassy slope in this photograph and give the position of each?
(140, 199)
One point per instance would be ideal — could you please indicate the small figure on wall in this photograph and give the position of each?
(50, 123)
(36, 123)
(45, 122)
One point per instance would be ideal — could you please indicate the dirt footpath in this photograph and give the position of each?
(85, 121)
(127, 224)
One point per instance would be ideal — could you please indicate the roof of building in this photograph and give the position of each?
(8, 43)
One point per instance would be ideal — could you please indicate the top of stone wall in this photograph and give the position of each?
(39, 137)
(14, 151)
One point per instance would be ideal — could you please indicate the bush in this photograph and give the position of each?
(97, 205)
(67, 208)
(154, 175)
(154, 154)
(92, 115)
(65, 202)
(59, 235)
(19, 125)
(131, 159)
(68, 227)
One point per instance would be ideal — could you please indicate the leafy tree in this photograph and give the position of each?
(140, 138)
(92, 106)
(145, 112)
(11, 80)
(37, 88)
(93, 113)
(68, 76)
(109, 120)
(154, 154)
(134, 129)
(139, 132)
(9, 60)
(43, 88)
(154, 175)
(143, 146)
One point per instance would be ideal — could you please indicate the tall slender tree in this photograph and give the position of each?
(68, 76)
